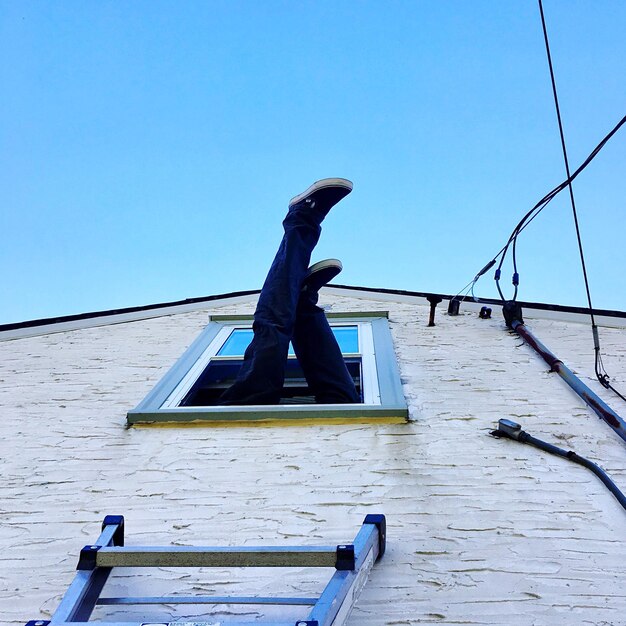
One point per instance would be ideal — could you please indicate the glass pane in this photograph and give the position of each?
(347, 337)
(237, 342)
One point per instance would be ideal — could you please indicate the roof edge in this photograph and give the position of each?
(493, 301)
(46, 321)
(122, 313)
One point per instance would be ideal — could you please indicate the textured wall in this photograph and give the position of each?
(481, 531)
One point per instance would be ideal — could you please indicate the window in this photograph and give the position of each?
(218, 370)
(189, 391)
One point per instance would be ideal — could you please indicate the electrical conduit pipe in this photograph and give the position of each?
(513, 316)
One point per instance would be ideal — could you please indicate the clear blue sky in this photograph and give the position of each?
(148, 148)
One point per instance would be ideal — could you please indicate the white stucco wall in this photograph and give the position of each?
(481, 531)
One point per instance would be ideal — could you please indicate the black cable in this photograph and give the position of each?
(539, 206)
(601, 373)
(513, 431)
(609, 386)
(534, 212)
(575, 458)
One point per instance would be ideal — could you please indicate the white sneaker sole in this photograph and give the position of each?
(322, 184)
(316, 271)
(322, 265)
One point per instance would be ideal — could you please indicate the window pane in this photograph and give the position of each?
(237, 342)
(347, 337)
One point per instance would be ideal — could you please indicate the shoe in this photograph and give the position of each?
(323, 194)
(320, 274)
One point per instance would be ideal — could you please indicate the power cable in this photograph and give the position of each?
(601, 373)
(537, 208)
(512, 430)
(523, 223)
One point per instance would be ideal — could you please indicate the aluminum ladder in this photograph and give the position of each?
(352, 563)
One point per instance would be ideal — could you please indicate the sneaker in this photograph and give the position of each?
(323, 194)
(320, 274)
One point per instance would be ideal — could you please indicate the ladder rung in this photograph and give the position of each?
(209, 600)
(279, 556)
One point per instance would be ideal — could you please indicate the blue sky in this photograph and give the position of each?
(148, 149)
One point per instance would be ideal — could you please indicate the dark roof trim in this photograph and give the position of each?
(530, 305)
(133, 309)
(237, 294)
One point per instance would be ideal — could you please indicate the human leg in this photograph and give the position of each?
(317, 349)
(261, 376)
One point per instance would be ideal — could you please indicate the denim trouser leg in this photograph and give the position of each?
(320, 355)
(260, 379)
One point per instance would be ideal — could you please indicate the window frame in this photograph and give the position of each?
(383, 397)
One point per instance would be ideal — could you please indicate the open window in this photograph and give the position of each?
(191, 389)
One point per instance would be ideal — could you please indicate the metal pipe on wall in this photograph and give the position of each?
(603, 410)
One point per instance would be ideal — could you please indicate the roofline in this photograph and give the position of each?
(64, 323)
(541, 306)
(126, 314)
(45, 321)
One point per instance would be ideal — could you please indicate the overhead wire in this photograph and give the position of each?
(600, 371)
(464, 291)
(536, 210)
(541, 205)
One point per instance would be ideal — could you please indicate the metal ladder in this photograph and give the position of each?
(352, 563)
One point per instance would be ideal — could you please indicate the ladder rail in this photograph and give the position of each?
(163, 623)
(338, 598)
(352, 563)
(81, 596)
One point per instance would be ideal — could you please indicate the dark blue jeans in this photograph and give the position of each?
(285, 313)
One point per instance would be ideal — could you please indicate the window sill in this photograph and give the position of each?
(332, 413)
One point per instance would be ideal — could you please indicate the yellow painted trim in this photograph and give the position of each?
(273, 422)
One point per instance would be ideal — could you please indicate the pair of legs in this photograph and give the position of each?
(287, 311)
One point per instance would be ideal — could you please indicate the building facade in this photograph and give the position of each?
(480, 530)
